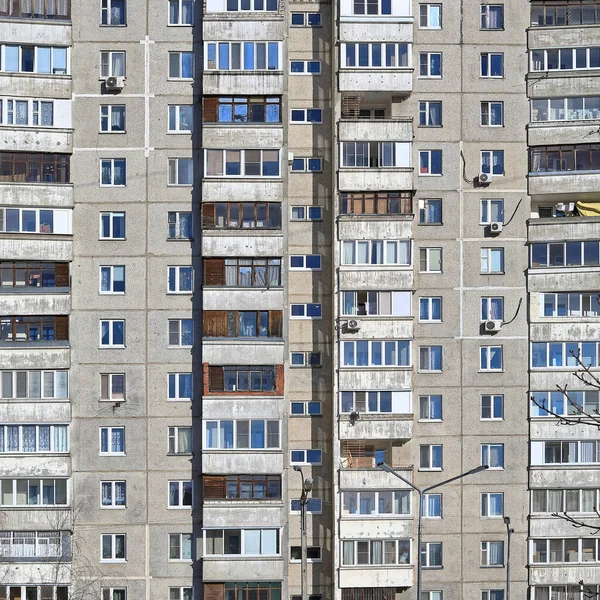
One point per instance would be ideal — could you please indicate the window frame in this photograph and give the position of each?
(304, 114)
(112, 215)
(485, 554)
(486, 450)
(490, 167)
(486, 501)
(428, 65)
(180, 4)
(431, 458)
(305, 67)
(425, 400)
(425, 553)
(181, 494)
(176, 110)
(181, 54)
(424, 15)
(111, 333)
(109, 120)
(179, 333)
(487, 259)
(174, 274)
(110, 387)
(106, 14)
(485, 66)
(310, 164)
(111, 280)
(486, 206)
(109, 429)
(180, 545)
(486, 358)
(492, 407)
(425, 512)
(111, 163)
(177, 387)
(177, 224)
(429, 302)
(113, 496)
(485, 17)
(486, 115)
(305, 461)
(106, 59)
(113, 548)
(427, 251)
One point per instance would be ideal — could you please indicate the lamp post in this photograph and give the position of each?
(307, 485)
(420, 492)
(509, 532)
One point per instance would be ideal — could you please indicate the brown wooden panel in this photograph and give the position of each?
(61, 327)
(275, 323)
(214, 591)
(216, 382)
(209, 113)
(61, 274)
(215, 323)
(214, 486)
(208, 215)
(214, 271)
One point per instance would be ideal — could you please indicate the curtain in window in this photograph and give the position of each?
(588, 454)
(401, 503)
(434, 114)
(119, 172)
(4, 7)
(260, 276)
(496, 553)
(495, 504)
(118, 63)
(231, 271)
(62, 8)
(348, 553)
(117, 15)
(117, 440)
(433, 505)
(492, 18)
(391, 253)
(274, 274)
(116, 118)
(44, 436)
(28, 433)
(119, 546)
(186, 546)
(106, 494)
(245, 273)
(2, 449)
(376, 252)
(376, 553)
(184, 439)
(348, 253)
(60, 438)
(252, 541)
(435, 554)
(21, 112)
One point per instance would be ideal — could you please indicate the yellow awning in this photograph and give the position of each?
(588, 209)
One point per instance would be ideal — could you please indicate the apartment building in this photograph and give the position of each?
(240, 237)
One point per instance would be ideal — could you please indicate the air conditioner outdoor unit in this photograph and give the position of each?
(492, 326)
(496, 227)
(353, 325)
(115, 83)
(484, 178)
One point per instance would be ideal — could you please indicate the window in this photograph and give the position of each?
(181, 12)
(305, 262)
(180, 494)
(35, 167)
(374, 155)
(244, 215)
(112, 440)
(375, 552)
(492, 17)
(34, 438)
(242, 163)
(112, 225)
(307, 165)
(112, 279)
(36, 113)
(34, 59)
(492, 504)
(492, 261)
(431, 554)
(181, 171)
(306, 213)
(180, 440)
(113, 172)
(181, 118)
(112, 386)
(34, 328)
(180, 225)
(492, 308)
(560, 501)
(494, 594)
(492, 211)
(44, 9)
(376, 203)
(112, 118)
(492, 554)
(375, 504)
(313, 554)
(569, 254)
(180, 280)
(113, 12)
(560, 159)
(492, 407)
(180, 546)
(492, 455)
(306, 115)
(314, 506)
(492, 64)
(305, 457)
(306, 311)
(246, 542)
(306, 408)
(430, 309)
(25, 274)
(112, 333)
(242, 56)
(113, 494)
(376, 252)
(252, 5)
(305, 359)
(243, 272)
(35, 220)
(492, 114)
(180, 593)
(431, 507)
(181, 332)
(492, 161)
(431, 595)
(430, 211)
(34, 384)
(233, 378)
(112, 64)
(235, 435)
(243, 323)
(34, 492)
(430, 358)
(377, 402)
(32, 591)
(305, 67)
(547, 14)
(241, 109)
(586, 304)
(430, 16)
(180, 386)
(430, 114)
(242, 487)
(181, 65)
(553, 355)
(375, 56)
(565, 59)
(565, 109)
(430, 456)
(366, 303)
(586, 400)
(430, 162)
(490, 358)
(112, 593)
(430, 408)
(430, 260)
(112, 547)
(430, 64)
(370, 353)
(306, 19)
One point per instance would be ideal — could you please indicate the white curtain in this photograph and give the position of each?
(60, 438)
(347, 253)
(269, 541)
(347, 553)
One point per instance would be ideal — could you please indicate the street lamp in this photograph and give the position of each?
(509, 532)
(307, 485)
(419, 491)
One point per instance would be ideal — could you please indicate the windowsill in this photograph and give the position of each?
(113, 24)
(431, 174)
(491, 566)
(491, 77)
(180, 239)
(113, 507)
(112, 454)
(113, 132)
(492, 126)
(101, 239)
(431, 371)
(183, 132)
(430, 126)
(429, 470)
(492, 29)
(434, 568)
(491, 371)
(111, 347)
(493, 420)
(103, 79)
(111, 293)
(180, 293)
(34, 290)
(494, 273)
(376, 517)
(432, 321)
(180, 346)
(180, 453)
(373, 567)
(180, 24)
(231, 178)
(107, 185)
(305, 416)
(113, 561)
(244, 124)
(430, 421)
(181, 79)
(179, 185)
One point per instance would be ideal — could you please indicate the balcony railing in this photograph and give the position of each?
(59, 10)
